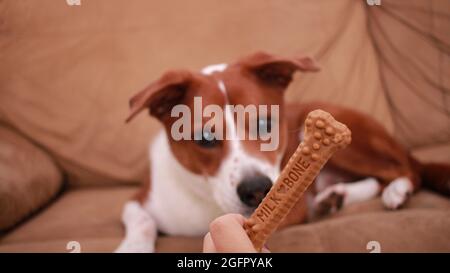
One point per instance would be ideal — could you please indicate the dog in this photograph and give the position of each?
(192, 182)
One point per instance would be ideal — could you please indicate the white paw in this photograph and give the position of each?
(132, 246)
(330, 199)
(396, 193)
(140, 238)
(141, 230)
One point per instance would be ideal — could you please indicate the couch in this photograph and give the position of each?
(68, 162)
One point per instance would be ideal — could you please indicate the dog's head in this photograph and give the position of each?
(238, 149)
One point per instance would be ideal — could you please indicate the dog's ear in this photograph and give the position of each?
(161, 95)
(277, 71)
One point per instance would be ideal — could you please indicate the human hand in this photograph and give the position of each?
(226, 234)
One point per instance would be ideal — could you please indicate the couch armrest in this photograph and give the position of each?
(28, 177)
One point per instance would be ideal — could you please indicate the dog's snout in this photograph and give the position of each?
(252, 190)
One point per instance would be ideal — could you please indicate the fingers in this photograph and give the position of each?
(228, 235)
(208, 244)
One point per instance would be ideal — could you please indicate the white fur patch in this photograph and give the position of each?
(140, 230)
(210, 69)
(221, 86)
(361, 191)
(180, 201)
(354, 192)
(396, 193)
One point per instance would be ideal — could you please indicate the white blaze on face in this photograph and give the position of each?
(237, 164)
(222, 87)
(210, 69)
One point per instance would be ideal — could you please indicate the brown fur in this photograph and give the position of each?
(373, 152)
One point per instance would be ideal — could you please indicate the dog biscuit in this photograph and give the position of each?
(323, 136)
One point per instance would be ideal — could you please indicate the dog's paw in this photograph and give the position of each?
(128, 246)
(330, 199)
(397, 193)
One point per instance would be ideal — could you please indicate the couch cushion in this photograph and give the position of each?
(67, 72)
(86, 213)
(92, 217)
(411, 41)
(433, 153)
(409, 230)
(163, 245)
(29, 178)
(423, 200)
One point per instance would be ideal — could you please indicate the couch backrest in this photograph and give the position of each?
(67, 72)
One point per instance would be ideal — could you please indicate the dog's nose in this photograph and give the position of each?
(252, 190)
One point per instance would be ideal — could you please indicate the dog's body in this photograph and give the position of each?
(193, 182)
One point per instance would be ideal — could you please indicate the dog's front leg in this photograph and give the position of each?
(140, 229)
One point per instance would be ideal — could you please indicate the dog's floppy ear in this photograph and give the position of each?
(277, 71)
(161, 95)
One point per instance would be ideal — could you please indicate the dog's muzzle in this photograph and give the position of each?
(253, 189)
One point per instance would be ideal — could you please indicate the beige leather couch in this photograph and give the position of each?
(68, 161)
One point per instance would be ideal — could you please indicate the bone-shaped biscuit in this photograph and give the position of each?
(323, 136)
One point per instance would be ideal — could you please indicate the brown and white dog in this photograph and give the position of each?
(194, 181)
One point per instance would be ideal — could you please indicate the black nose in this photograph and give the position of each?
(252, 190)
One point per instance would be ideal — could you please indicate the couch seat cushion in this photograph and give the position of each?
(91, 216)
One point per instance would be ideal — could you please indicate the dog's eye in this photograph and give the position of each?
(264, 125)
(207, 140)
